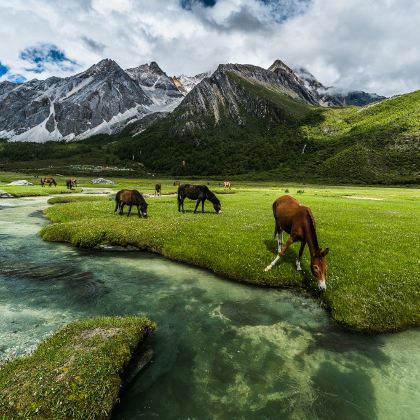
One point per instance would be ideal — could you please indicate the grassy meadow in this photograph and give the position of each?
(373, 234)
(75, 373)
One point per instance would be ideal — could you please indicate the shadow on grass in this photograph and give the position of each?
(290, 259)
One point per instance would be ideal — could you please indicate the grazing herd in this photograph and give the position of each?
(71, 183)
(289, 216)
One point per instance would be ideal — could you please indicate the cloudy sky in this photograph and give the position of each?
(353, 44)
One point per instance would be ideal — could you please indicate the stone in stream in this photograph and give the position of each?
(21, 182)
(5, 194)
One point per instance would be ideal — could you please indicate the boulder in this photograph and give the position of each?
(20, 182)
(102, 181)
(5, 194)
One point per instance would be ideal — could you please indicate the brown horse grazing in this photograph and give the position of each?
(131, 198)
(226, 184)
(177, 183)
(48, 180)
(158, 187)
(71, 183)
(299, 223)
(199, 193)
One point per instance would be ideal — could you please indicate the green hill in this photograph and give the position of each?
(378, 143)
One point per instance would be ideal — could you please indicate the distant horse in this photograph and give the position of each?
(199, 193)
(71, 183)
(177, 183)
(226, 184)
(158, 188)
(131, 198)
(48, 180)
(299, 223)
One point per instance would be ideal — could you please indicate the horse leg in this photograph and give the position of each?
(279, 236)
(302, 247)
(202, 206)
(121, 209)
(286, 246)
(129, 210)
(117, 205)
(138, 211)
(196, 205)
(281, 254)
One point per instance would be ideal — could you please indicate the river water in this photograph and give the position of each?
(222, 350)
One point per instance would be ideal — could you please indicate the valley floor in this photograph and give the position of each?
(373, 277)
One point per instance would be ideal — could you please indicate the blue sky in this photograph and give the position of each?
(352, 44)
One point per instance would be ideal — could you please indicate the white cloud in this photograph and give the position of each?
(353, 44)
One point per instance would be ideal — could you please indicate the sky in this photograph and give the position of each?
(370, 45)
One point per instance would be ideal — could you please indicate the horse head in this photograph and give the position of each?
(319, 267)
(143, 208)
(217, 207)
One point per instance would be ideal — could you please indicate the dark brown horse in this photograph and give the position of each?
(131, 198)
(71, 183)
(299, 223)
(158, 187)
(201, 193)
(48, 180)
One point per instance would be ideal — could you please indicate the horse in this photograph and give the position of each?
(298, 221)
(131, 198)
(158, 187)
(199, 193)
(226, 184)
(71, 183)
(177, 183)
(48, 180)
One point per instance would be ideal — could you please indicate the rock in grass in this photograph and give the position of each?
(75, 373)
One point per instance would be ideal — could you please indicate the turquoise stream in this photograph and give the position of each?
(222, 350)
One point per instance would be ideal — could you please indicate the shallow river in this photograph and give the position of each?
(222, 350)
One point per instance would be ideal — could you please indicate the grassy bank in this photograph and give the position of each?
(73, 374)
(373, 279)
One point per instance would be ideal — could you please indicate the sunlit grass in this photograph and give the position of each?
(75, 373)
(373, 279)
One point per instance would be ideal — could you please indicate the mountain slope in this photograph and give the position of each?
(276, 135)
(102, 99)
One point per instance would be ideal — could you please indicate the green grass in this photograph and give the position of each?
(75, 373)
(77, 198)
(373, 278)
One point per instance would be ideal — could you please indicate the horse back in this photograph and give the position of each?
(289, 214)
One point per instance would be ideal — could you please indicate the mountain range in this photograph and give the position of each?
(104, 99)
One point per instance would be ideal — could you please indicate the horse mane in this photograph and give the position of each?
(211, 196)
(312, 228)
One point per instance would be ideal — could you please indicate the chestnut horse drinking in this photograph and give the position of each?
(199, 193)
(299, 223)
(131, 198)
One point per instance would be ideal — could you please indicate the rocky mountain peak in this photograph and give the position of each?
(279, 65)
(105, 65)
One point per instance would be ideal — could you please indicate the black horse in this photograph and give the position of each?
(199, 193)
